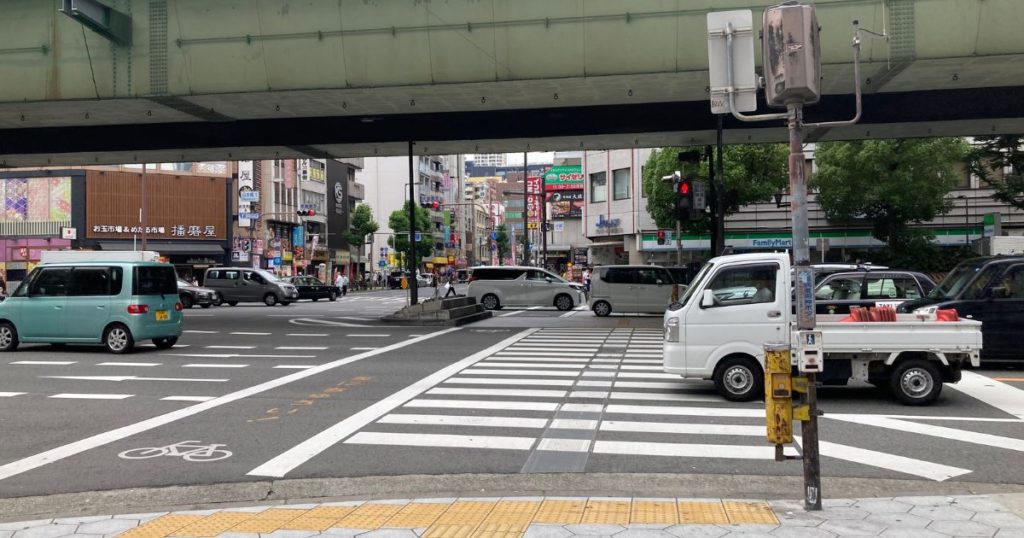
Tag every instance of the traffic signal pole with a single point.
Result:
(411, 258)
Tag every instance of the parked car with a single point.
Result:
(395, 279)
(312, 288)
(114, 303)
(989, 289)
(190, 295)
(836, 293)
(238, 284)
(822, 270)
(497, 287)
(630, 289)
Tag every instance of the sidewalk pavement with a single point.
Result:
(998, 516)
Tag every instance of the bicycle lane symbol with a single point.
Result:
(192, 451)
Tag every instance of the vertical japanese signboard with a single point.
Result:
(245, 184)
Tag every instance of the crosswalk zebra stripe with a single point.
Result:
(462, 420)
(541, 373)
(692, 429)
(685, 411)
(482, 404)
(685, 450)
(523, 393)
(503, 381)
(490, 364)
(442, 440)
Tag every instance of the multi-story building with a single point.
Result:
(489, 159)
(614, 212)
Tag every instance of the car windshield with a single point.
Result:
(956, 280)
(182, 283)
(695, 283)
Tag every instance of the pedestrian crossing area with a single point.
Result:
(573, 391)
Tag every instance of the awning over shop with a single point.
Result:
(606, 244)
(165, 247)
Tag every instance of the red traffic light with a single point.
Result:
(306, 213)
(684, 188)
(661, 234)
(435, 205)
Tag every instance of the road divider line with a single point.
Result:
(285, 462)
(301, 348)
(146, 364)
(10, 394)
(118, 378)
(361, 348)
(368, 335)
(193, 331)
(35, 461)
(44, 363)
(230, 347)
(72, 396)
(294, 366)
(250, 334)
(306, 334)
(212, 365)
(187, 398)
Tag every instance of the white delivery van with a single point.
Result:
(735, 304)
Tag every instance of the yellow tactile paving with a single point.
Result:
(702, 513)
(560, 512)
(507, 517)
(306, 523)
(336, 512)
(416, 516)
(213, 525)
(460, 520)
(161, 526)
(369, 516)
(268, 521)
(499, 530)
(606, 513)
(654, 512)
(753, 513)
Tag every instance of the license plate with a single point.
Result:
(163, 315)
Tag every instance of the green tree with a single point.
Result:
(992, 157)
(891, 183)
(362, 225)
(399, 223)
(502, 242)
(752, 173)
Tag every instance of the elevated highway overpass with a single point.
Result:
(234, 79)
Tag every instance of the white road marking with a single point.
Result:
(361, 348)
(188, 398)
(547, 353)
(634, 375)
(146, 364)
(941, 432)
(573, 424)
(992, 392)
(442, 441)
(230, 347)
(118, 378)
(302, 348)
(571, 366)
(306, 334)
(682, 450)
(71, 396)
(211, 365)
(294, 366)
(461, 420)
(524, 393)
(564, 445)
(892, 462)
(368, 335)
(293, 315)
(193, 331)
(588, 394)
(685, 411)
(303, 321)
(954, 419)
(649, 385)
(35, 461)
(572, 360)
(10, 394)
(483, 404)
(666, 397)
(250, 334)
(583, 408)
(502, 381)
(691, 429)
(569, 313)
(283, 463)
(239, 356)
(44, 363)
(540, 373)
(513, 313)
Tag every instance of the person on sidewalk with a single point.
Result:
(344, 284)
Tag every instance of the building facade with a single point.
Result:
(614, 212)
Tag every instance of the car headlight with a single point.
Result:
(672, 330)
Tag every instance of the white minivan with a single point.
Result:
(496, 287)
(630, 289)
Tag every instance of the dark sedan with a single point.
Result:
(839, 291)
(312, 288)
(195, 295)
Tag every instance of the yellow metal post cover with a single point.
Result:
(778, 386)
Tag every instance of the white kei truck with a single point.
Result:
(737, 303)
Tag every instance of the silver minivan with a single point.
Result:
(630, 289)
(496, 287)
(243, 285)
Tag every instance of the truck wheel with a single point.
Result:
(916, 382)
(602, 308)
(739, 379)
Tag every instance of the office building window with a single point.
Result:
(598, 187)
(620, 183)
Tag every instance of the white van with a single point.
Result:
(496, 287)
(630, 289)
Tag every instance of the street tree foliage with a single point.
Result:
(399, 223)
(999, 162)
(362, 225)
(752, 173)
(891, 183)
(502, 242)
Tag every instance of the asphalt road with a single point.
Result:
(325, 389)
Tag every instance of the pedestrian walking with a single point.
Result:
(450, 286)
(586, 279)
(344, 285)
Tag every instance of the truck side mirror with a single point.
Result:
(708, 299)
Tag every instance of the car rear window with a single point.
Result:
(155, 280)
(620, 275)
(496, 274)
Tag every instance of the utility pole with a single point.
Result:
(718, 184)
(544, 218)
(411, 263)
(142, 210)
